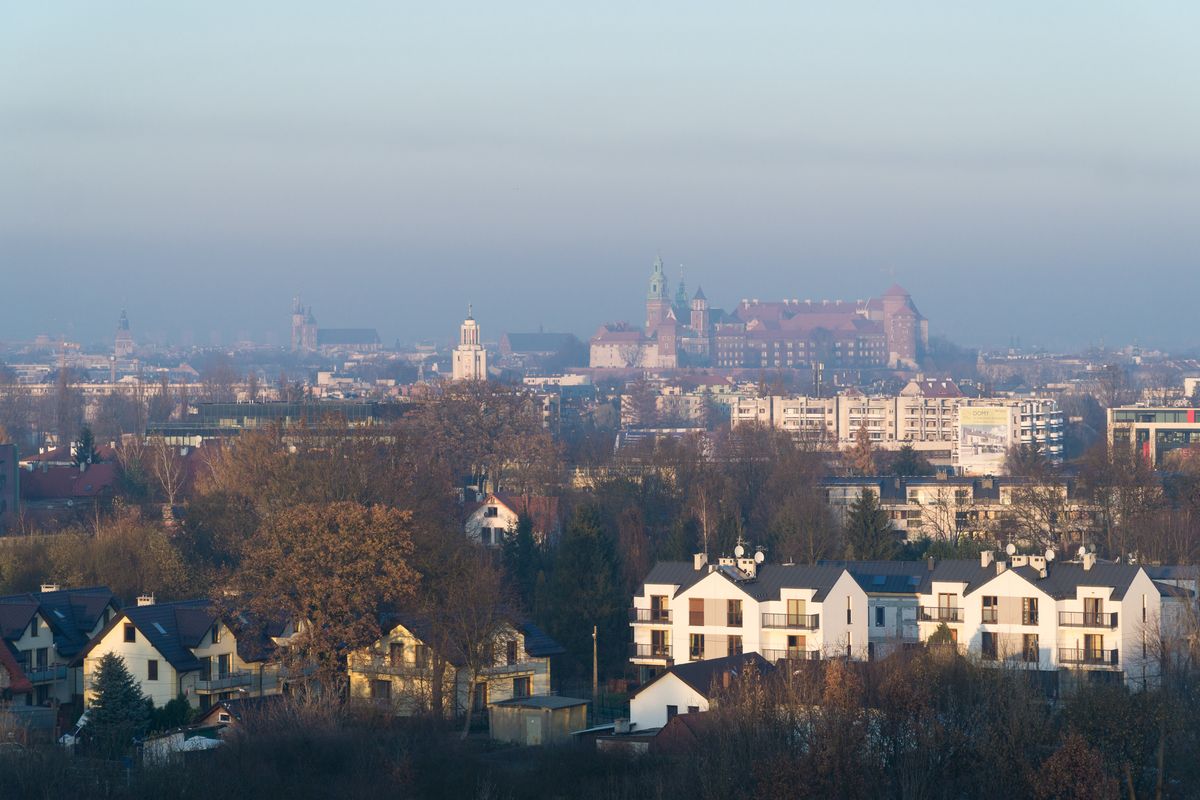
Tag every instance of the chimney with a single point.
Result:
(986, 558)
(930, 564)
(1089, 561)
(1020, 561)
(50, 587)
(145, 600)
(1000, 567)
(699, 560)
(621, 725)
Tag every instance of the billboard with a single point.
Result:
(984, 437)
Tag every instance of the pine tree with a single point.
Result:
(119, 711)
(869, 533)
(523, 559)
(85, 448)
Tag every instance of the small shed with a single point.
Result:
(543, 719)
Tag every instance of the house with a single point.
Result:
(699, 611)
(1082, 620)
(688, 688)
(892, 602)
(538, 720)
(228, 717)
(183, 648)
(44, 631)
(490, 521)
(48, 487)
(399, 670)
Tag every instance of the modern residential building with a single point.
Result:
(700, 610)
(46, 630)
(1154, 432)
(973, 435)
(470, 357)
(1097, 621)
(399, 671)
(188, 648)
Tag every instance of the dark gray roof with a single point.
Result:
(1063, 578)
(15, 613)
(173, 629)
(771, 578)
(885, 577)
(543, 701)
(1168, 572)
(74, 613)
(1170, 590)
(538, 643)
(700, 675)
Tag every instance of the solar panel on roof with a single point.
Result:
(879, 580)
(914, 580)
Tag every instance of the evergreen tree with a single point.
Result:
(85, 448)
(523, 559)
(909, 462)
(119, 711)
(585, 590)
(869, 533)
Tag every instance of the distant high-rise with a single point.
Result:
(470, 357)
(124, 343)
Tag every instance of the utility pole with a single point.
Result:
(595, 672)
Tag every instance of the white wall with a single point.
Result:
(648, 708)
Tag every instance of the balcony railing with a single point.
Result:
(44, 674)
(1087, 619)
(791, 654)
(651, 616)
(384, 665)
(1076, 655)
(941, 614)
(656, 651)
(222, 683)
(808, 622)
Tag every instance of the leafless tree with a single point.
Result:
(167, 467)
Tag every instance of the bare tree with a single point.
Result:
(167, 467)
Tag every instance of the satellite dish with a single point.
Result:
(759, 557)
(1082, 551)
(739, 551)
(1010, 548)
(1049, 553)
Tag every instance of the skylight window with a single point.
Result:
(160, 629)
(879, 580)
(59, 614)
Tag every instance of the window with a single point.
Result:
(879, 617)
(672, 712)
(206, 668)
(510, 652)
(735, 645)
(396, 654)
(223, 665)
(1029, 611)
(658, 643)
(696, 646)
(223, 716)
(216, 632)
(421, 655)
(733, 614)
(987, 646)
(33, 627)
(1029, 647)
(152, 669)
(849, 611)
(491, 511)
(130, 632)
(695, 611)
(522, 687)
(693, 709)
(990, 607)
(659, 611)
(381, 690)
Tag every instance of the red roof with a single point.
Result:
(58, 483)
(18, 682)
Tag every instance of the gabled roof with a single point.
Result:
(770, 581)
(542, 511)
(538, 643)
(15, 613)
(74, 613)
(62, 482)
(173, 629)
(885, 577)
(700, 675)
(1063, 578)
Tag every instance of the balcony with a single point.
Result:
(654, 652)
(1085, 657)
(650, 616)
(804, 622)
(791, 654)
(371, 664)
(940, 614)
(1087, 619)
(226, 682)
(46, 674)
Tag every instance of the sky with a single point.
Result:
(1027, 170)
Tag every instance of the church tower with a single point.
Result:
(658, 302)
(124, 343)
(470, 357)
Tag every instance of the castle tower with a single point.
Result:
(470, 357)
(657, 300)
(699, 316)
(681, 298)
(124, 343)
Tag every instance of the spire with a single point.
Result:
(470, 311)
(658, 282)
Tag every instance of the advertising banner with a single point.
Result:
(984, 437)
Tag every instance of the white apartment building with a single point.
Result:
(696, 611)
(971, 434)
(1099, 621)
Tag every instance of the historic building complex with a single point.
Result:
(885, 332)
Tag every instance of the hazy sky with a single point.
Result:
(1023, 168)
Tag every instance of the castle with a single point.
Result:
(885, 332)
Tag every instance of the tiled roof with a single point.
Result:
(57, 483)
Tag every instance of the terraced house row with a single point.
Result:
(1068, 620)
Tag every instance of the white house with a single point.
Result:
(489, 522)
(697, 611)
(688, 688)
(1097, 620)
(182, 648)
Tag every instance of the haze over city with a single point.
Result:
(1025, 170)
